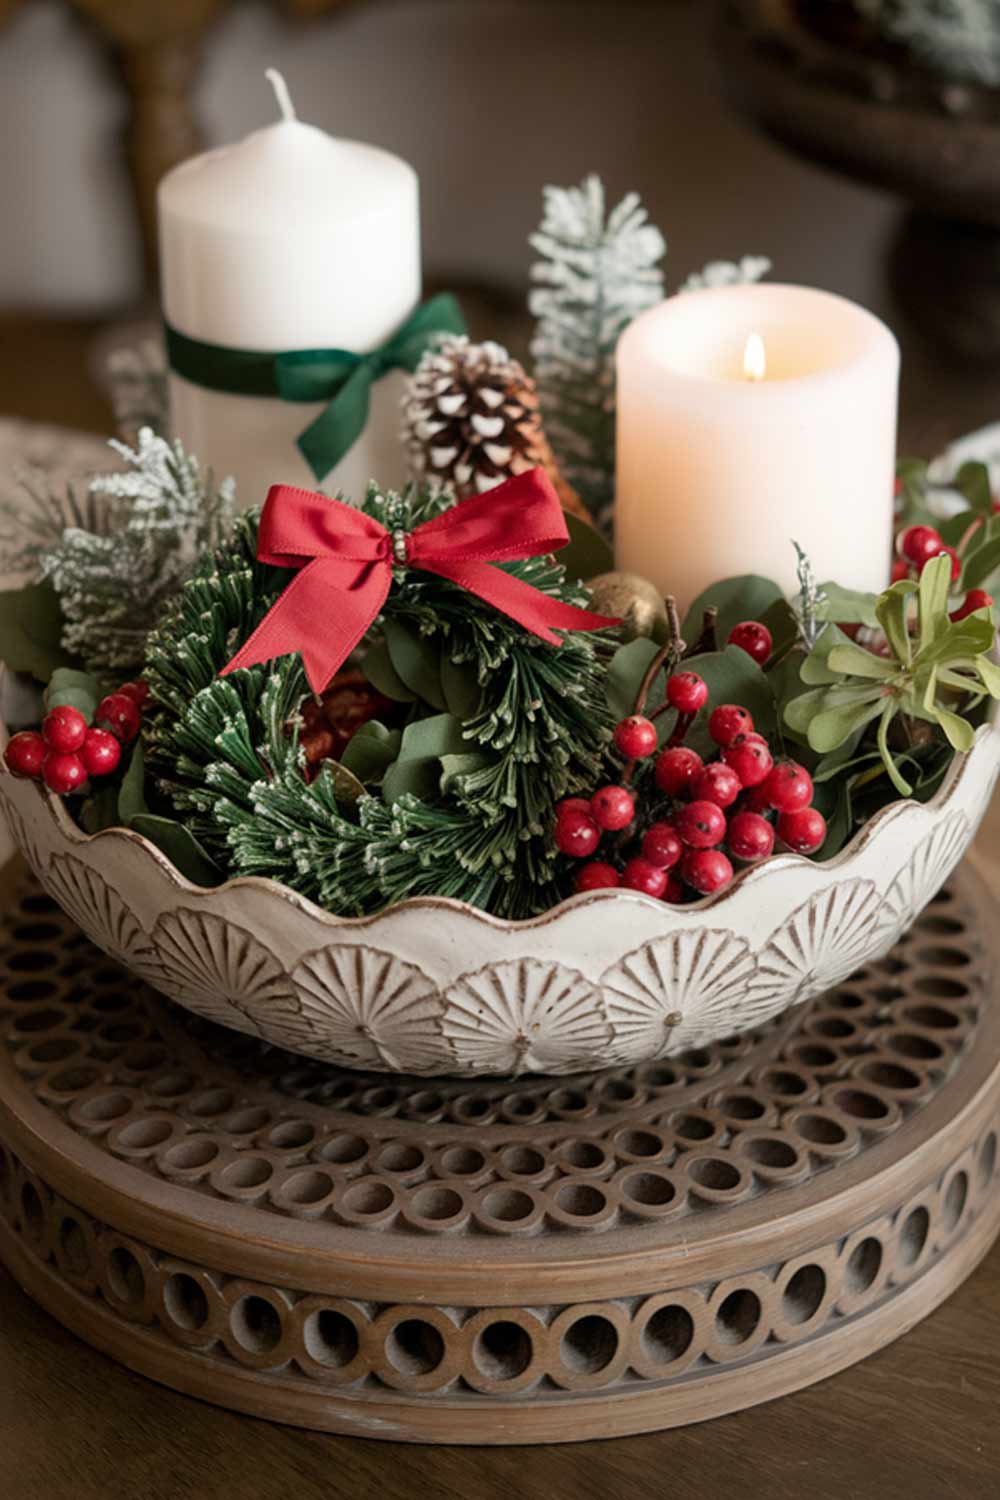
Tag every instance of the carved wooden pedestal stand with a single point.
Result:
(498, 1262)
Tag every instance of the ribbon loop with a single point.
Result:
(345, 560)
(339, 377)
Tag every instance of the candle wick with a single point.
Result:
(281, 93)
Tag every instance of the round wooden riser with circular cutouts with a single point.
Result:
(498, 1262)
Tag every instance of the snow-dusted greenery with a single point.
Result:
(960, 38)
(117, 558)
(597, 272)
(728, 273)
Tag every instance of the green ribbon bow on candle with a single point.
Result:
(337, 376)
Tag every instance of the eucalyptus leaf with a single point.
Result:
(439, 735)
(962, 639)
(981, 564)
(31, 625)
(932, 590)
(625, 673)
(783, 623)
(370, 751)
(131, 794)
(455, 766)
(799, 712)
(417, 660)
(71, 688)
(746, 597)
(587, 553)
(419, 778)
(460, 685)
(378, 668)
(732, 676)
(100, 811)
(180, 846)
(973, 481)
(893, 613)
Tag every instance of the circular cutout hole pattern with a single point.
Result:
(581, 1199)
(415, 1347)
(955, 1200)
(649, 1189)
(436, 1203)
(508, 1205)
(308, 1186)
(913, 1236)
(73, 1245)
(503, 1351)
(330, 1338)
(125, 1276)
(185, 1302)
(668, 1334)
(589, 1345)
(771, 1152)
(32, 1211)
(738, 1317)
(988, 1161)
(804, 1294)
(864, 1265)
(715, 1173)
(256, 1324)
(525, 1161)
(819, 1131)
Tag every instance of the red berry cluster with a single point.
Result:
(704, 815)
(915, 547)
(68, 751)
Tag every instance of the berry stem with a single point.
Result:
(684, 722)
(708, 640)
(672, 650)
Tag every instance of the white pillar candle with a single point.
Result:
(721, 465)
(288, 240)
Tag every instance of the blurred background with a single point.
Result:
(489, 99)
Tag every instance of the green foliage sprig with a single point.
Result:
(456, 801)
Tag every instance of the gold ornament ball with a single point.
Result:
(636, 601)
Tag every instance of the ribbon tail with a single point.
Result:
(520, 601)
(339, 425)
(319, 617)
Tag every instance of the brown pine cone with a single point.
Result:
(471, 420)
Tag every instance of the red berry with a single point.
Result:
(577, 834)
(728, 722)
(974, 599)
(707, 870)
(64, 729)
(687, 692)
(749, 836)
(717, 783)
(119, 714)
(101, 753)
(788, 786)
(137, 691)
(612, 807)
(701, 824)
(753, 638)
(63, 774)
(900, 570)
(661, 846)
(573, 804)
(596, 876)
(676, 769)
(919, 543)
(943, 551)
(674, 891)
(635, 737)
(755, 799)
(640, 875)
(25, 753)
(803, 830)
(750, 758)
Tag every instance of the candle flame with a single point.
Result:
(754, 358)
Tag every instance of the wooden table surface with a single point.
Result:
(917, 1421)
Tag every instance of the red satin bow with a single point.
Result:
(346, 560)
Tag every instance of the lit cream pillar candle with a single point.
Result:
(721, 464)
(288, 240)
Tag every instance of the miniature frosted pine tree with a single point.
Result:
(597, 272)
(960, 38)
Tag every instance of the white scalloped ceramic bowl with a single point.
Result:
(436, 987)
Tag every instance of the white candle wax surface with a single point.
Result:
(718, 473)
(288, 240)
